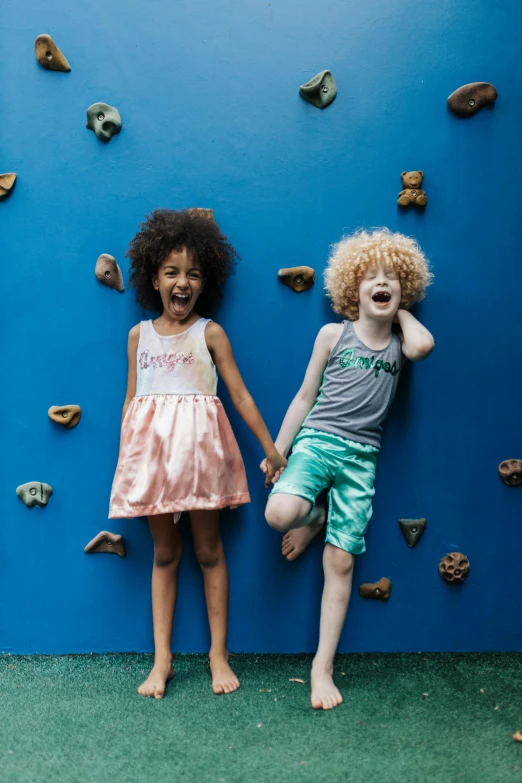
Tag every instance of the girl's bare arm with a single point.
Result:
(221, 351)
(132, 348)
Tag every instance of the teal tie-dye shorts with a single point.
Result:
(321, 461)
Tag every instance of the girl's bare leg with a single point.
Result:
(167, 556)
(338, 570)
(211, 557)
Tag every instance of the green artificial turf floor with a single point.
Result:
(408, 717)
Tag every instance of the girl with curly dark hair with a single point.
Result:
(177, 449)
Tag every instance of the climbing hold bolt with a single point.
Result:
(104, 120)
(106, 542)
(34, 493)
(320, 91)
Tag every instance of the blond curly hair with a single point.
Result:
(353, 255)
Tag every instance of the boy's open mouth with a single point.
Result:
(179, 302)
(381, 296)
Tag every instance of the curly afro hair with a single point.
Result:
(168, 229)
(353, 255)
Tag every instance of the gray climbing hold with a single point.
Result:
(106, 543)
(108, 272)
(104, 120)
(320, 91)
(412, 530)
(34, 493)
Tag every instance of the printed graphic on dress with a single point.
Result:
(166, 360)
(349, 359)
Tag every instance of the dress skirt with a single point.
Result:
(177, 453)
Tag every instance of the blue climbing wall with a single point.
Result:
(208, 93)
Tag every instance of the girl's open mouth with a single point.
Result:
(179, 302)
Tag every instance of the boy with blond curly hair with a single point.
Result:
(334, 423)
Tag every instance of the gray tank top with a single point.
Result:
(357, 389)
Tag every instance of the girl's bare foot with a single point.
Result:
(325, 696)
(223, 678)
(295, 541)
(155, 684)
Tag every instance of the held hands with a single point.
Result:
(273, 466)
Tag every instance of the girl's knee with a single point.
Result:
(167, 556)
(209, 556)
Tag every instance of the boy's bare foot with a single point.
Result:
(155, 684)
(325, 696)
(223, 678)
(295, 541)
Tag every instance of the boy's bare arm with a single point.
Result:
(305, 398)
(417, 341)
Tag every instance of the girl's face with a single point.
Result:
(379, 293)
(179, 281)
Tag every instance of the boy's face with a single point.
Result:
(179, 281)
(379, 293)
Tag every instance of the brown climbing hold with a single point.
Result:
(201, 212)
(66, 415)
(412, 193)
(48, 54)
(471, 98)
(454, 568)
(106, 542)
(6, 183)
(108, 272)
(298, 278)
(380, 590)
(510, 471)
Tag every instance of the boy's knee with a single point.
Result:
(340, 561)
(277, 515)
(208, 557)
(167, 556)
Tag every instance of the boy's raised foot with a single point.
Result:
(223, 678)
(325, 695)
(155, 684)
(295, 541)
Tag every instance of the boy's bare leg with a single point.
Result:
(338, 570)
(297, 518)
(211, 557)
(167, 556)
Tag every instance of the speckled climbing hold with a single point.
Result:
(201, 212)
(34, 493)
(66, 415)
(48, 54)
(510, 471)
(108, 272)
(104, 120)
(454, 568)
(298, 278)
(380, 590)
(6, 183)
(412, 193)
(106, 542)
(320, 91)
(471, 98)
(412, 530)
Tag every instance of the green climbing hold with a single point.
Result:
(412, 530)
(104, 120)
(320, 91)
(34, 493)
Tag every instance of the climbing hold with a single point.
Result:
(454, 568)
(34, 493)
(104, 120)
(320, 91)
(66, 415)
(201, 212)
(298, 278)
(6, 183)
(108, 272)
(412, 530)
(106, 542)
(380, 590)
(510, 471)
(471, 98)
(48, 54)
(412, 194)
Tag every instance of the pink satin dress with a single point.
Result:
(177, 449)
